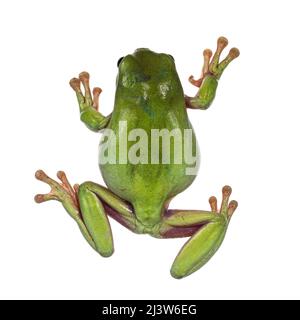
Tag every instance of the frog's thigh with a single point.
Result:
(208, 231)
(94, 214)
(95, 220)
(198, 249)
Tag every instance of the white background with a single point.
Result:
(249, 139)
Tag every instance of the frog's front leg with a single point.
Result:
(207, 229)
(88, 104)
(88, 204)
(211, 73)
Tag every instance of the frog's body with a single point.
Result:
(149, 97)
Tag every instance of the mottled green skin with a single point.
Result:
(149, 96)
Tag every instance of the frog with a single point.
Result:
(149, 95)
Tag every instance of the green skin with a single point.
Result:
(149, 96)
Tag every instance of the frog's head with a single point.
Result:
(148, 73)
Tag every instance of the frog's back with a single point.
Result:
(148, 185)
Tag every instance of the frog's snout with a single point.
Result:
(141, 49)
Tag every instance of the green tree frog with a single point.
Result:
(148, 96)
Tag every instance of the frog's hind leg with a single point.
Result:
(206, 228)
(96, 202)
(89, 204)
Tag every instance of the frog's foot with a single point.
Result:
(89, 102)
(207, 229)
(67, 195)
(211, 72)
(89, 204)
(88, 99)
(59, 191)
(213, 66)
(226, 209)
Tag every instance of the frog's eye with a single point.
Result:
(119, 61)
(172, 57)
